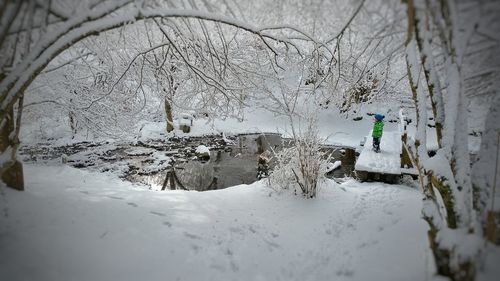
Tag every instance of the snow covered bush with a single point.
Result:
(303, 165)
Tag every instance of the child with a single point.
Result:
(378, 127)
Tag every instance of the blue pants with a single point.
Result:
(376, 143)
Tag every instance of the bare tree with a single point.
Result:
(51, 27)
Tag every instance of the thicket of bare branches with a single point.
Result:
(302, 166)
(35, 32)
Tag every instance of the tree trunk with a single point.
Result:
(446, 207)
(168, 113)
(11, 170)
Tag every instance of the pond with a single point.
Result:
(235, 164)
(175, 164)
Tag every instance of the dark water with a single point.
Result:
(234, 167)
(225, 168)
(348, 158)
(232, 161)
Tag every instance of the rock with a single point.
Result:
(358, 118)
(333, 166)
(202, 152)
(185, 128)
(186, 122)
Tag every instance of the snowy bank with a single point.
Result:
(72, 224)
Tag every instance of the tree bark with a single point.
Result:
(169, 118)
(440, 188)
(11, 170)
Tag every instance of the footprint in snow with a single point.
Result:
(218, 267)
(157, 213)
(388, 212)
(395, 221)
(345, 272)
(236, 230)
(115, 197)
(234, 267)
(367, 244)
(167, 223)
(132, 204)
(195, 248)
(192, 236)
(271, 245)
(357, 214)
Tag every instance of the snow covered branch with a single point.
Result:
(94, 22)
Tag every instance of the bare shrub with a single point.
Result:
(303, 165)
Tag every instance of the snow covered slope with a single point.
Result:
(71, 224)
(388, 161)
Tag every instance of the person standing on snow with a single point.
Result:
(378, 127)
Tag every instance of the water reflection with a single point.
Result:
(176, 165)
(222, 170)
(230, 168)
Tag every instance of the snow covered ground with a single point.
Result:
(334, 128)
(387, 160)
(72, 224)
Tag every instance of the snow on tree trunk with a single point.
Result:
(454, 236)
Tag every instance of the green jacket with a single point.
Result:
(378, 127)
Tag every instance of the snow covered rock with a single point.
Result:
(203, 152)
(333, 166)
(186, 122)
